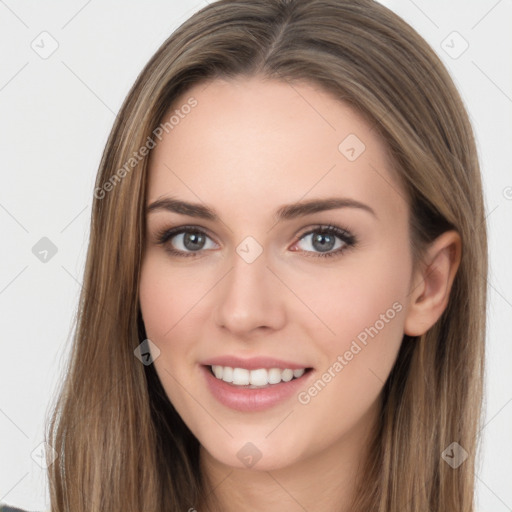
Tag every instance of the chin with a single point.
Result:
(254, 453)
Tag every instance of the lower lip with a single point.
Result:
(249, 400)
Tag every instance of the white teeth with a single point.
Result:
(259, 377)
(240, 376)
(227, 373)
(255, 378)
(287, 375)
(218, 371)
(274, 376)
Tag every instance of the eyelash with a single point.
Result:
(350, 241)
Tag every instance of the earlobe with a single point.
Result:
(430, 290)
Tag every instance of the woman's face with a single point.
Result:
(251, 281)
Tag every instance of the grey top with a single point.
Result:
(6, 508)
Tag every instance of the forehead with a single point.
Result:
(250, 145)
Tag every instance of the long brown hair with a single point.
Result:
(120, 443)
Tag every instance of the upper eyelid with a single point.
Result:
(178, 230)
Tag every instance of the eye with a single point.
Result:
(184, 241)
(323, 239)
(190, 241)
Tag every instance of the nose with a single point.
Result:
(250, 298)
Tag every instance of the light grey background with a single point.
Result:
(55, 115)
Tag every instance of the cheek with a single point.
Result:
(157, 302)
(364, 307)
(172, 306)
(368, 323)
(167, 296)
(352, 297)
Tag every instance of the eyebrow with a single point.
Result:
(286, 212)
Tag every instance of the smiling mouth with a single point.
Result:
(255, 379)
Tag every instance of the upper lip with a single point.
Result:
(253, 363)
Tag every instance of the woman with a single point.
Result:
(283, 303)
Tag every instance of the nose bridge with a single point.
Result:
(249, 297)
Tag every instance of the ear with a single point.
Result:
(431, 285)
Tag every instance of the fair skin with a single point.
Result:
(249, 147)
